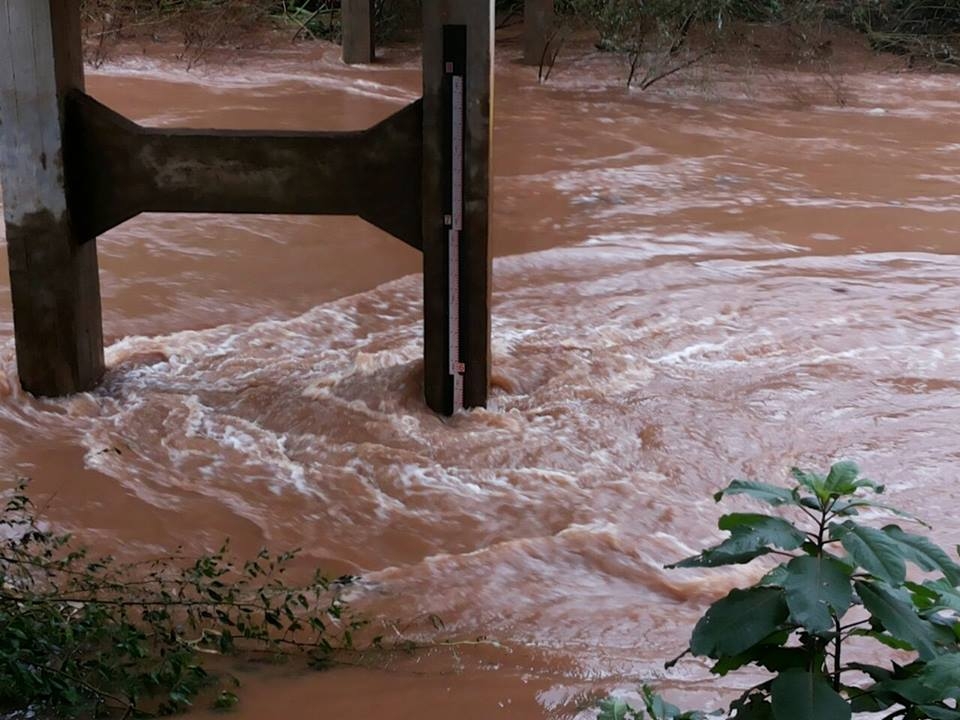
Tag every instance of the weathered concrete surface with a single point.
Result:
(56, 306)
(357, 21)
(53, 277)
(118, 169)
(538, 28)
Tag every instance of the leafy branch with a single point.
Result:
(841, 579)
(92, 636)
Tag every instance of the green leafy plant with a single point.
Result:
(654, 708)
(90, 636)
(841, 581)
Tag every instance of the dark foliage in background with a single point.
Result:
(925, 30)
(922, 29)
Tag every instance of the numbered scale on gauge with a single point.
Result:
(455, 224)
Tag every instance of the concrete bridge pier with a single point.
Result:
(357, 23)
(53, 270)
(538, 29)
(72, 168)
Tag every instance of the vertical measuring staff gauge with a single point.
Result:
(454, 72)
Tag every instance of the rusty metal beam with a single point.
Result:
(117, 169)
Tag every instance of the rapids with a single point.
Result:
(704, 281)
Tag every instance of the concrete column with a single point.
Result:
(356, 19)
(457, 125)
(538, 25)
(53, 276)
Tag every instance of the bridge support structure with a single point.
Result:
(357, 27)
(539, 25)
(72, 168)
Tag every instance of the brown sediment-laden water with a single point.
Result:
(704, 281)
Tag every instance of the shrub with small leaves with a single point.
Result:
(91, 636)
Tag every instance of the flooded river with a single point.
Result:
(700, 282)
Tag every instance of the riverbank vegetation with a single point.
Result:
(87, 636)
(814, 626)
(926, 32)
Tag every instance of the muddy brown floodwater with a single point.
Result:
(708, 280)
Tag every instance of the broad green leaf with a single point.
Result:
(870, 702)
(729, 663)
(845, 508)
(660, 709)
(940, 712)
(617, 709)
(736, 622)
(850, 507)
(726, 553)
(754, 707)
(763, 529)
(776, 577)
(873, 550)
(750, 537)
(770, 494)
(803, 695)
(884, 693)
(813, 482)
(947, 597)
(893, 609)
(908, 689)
(844, 479)
(774, 658)
(817, 588)
(883, 638)
(924, 597)
(875, 672)
(924, 553)
(891, 687)
(943, 675)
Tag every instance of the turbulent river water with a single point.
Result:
(705, 281)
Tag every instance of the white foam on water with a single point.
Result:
(634, 373)
(323, 74)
